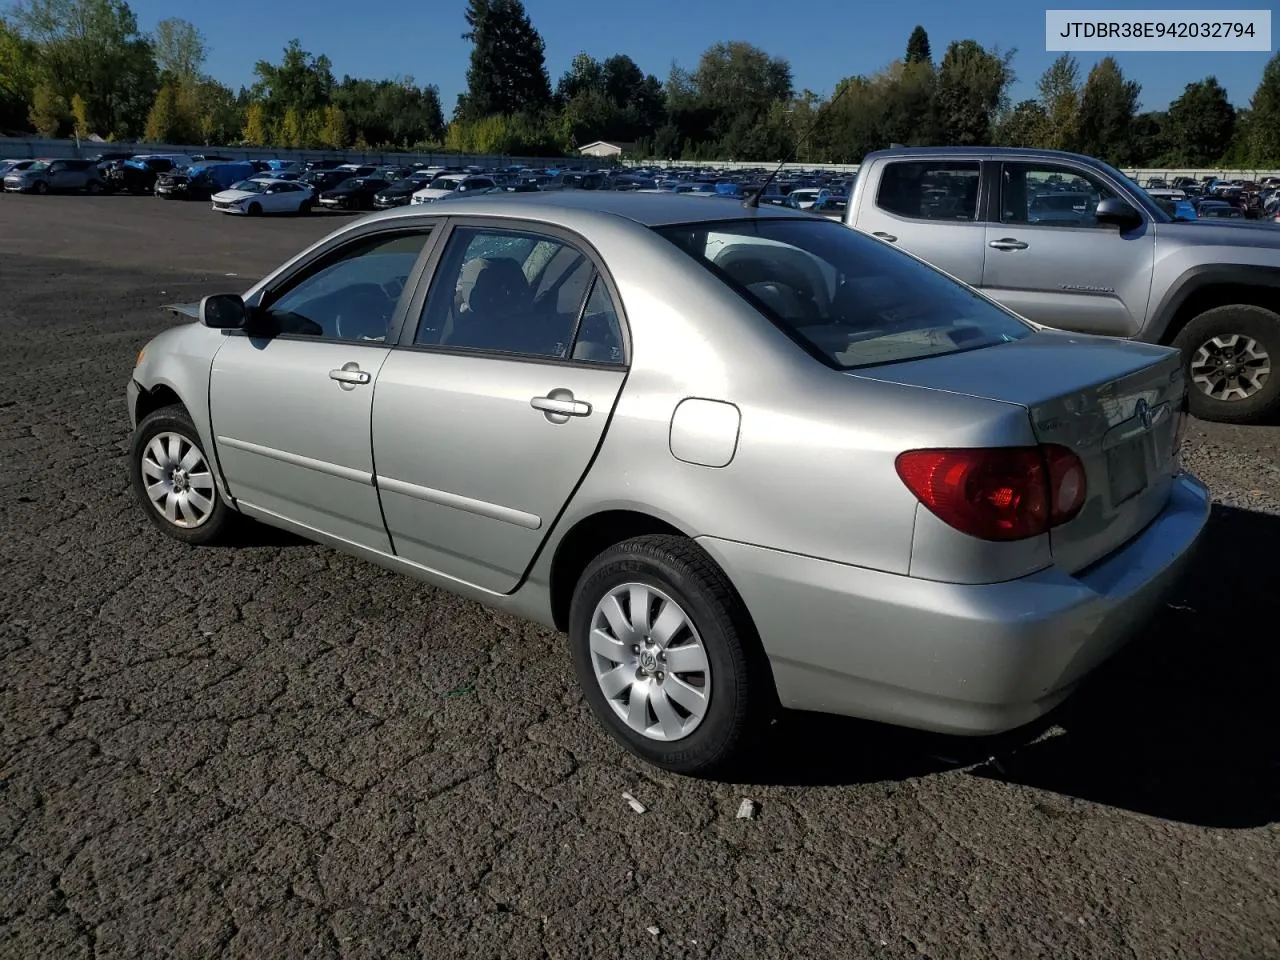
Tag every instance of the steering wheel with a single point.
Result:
(394, 287)
(362, 312)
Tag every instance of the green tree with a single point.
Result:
(972, 86)
(299, 82)
(180, 50)
(48, 111)
(333, 132)
(918, 49)
(1200, 125)
(292, 131)
(1022, 126)
(80, 116)
(18, 76)
(94, 48)
(507, 73)
(256, 132)
(1148, 137)
(164, 121)
(393, 112)
(1059, 89)
(1264, 118)
(1108, 106)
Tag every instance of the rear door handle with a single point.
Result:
(885, 236)
(561, 406)
(344, 375)
(1007, 243)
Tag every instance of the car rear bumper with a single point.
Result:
(954, 658)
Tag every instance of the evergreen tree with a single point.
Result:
(918, 49)
(1264, 118)
(1200, 125)
(508, 72)
(1108, 106)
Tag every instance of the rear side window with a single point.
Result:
(848, 299)
(930, 190)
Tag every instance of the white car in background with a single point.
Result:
(450, 184)
(253, 198)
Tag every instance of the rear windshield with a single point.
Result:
(850, 300)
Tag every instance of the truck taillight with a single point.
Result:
(997, 493)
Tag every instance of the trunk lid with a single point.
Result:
(1115, 403)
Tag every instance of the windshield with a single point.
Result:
(443, 184)
(1139, 194)
(250, 186)
(38, 166)
(850, 300)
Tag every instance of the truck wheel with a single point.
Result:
(1228, 354)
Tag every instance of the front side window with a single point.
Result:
(850, 300)
(352, 293)
(930, 190)
(503, 291)
(1050, 196)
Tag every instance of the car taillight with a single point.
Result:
(997, 493)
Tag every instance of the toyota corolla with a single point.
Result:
(744, 458)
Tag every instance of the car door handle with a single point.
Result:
(349, 376)
(1007, 243)
(565, 407)
(885, 236)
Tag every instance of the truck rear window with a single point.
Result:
(848, 299)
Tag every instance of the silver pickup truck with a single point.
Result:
(1070, 242)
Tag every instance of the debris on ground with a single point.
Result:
(653, 930)
(747, 810)
(632, 802)
(462, 690)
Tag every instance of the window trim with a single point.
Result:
(427, 279)
(1055, 166)
(309, 262)
(981, 212)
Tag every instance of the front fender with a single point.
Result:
(180, 360)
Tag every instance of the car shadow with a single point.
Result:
(1180, 725)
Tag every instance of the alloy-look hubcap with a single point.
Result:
(1231, 367)
(177, 480)
(650, 662)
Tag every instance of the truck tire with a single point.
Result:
(1229, 354)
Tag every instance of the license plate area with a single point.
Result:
(1127, 469)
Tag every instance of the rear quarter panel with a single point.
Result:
(813, 470)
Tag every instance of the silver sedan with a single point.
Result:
(745, 459)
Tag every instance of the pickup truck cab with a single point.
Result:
(1069, 242)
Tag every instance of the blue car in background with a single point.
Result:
(200, 181)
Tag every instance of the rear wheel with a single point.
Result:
(667, 656)
(1229, 354)
(173, 480)
(304, 208)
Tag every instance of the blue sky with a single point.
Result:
(823, 39)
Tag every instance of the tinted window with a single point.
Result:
(599, 337)
(506, 292)
(929, 190)
(1050, 196)
(351, 294)
(850, 299)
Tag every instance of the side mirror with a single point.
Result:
(224, 311)
(1115, 211)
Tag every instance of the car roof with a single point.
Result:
(1025, 153)
(571, 207)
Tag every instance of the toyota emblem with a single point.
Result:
(1143, 413)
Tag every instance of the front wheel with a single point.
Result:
(667, 656)
(255, 210)
(304, 208)
(1228, 353)
(41, 187)
(94, 186)
(173, 480)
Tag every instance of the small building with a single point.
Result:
(602, 148)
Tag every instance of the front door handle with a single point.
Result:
(885, 236)
(1007, 243)
(349, 375)
(560, 408)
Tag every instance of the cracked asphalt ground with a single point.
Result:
(274, 751)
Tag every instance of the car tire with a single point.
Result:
(305, 208)
(736, 689)
(1243, 333)
(164, 439)
(93, 187)
(255, 210)
(41, 187)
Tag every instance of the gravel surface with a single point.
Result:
(274, 751)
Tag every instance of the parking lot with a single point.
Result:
(276, 751)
